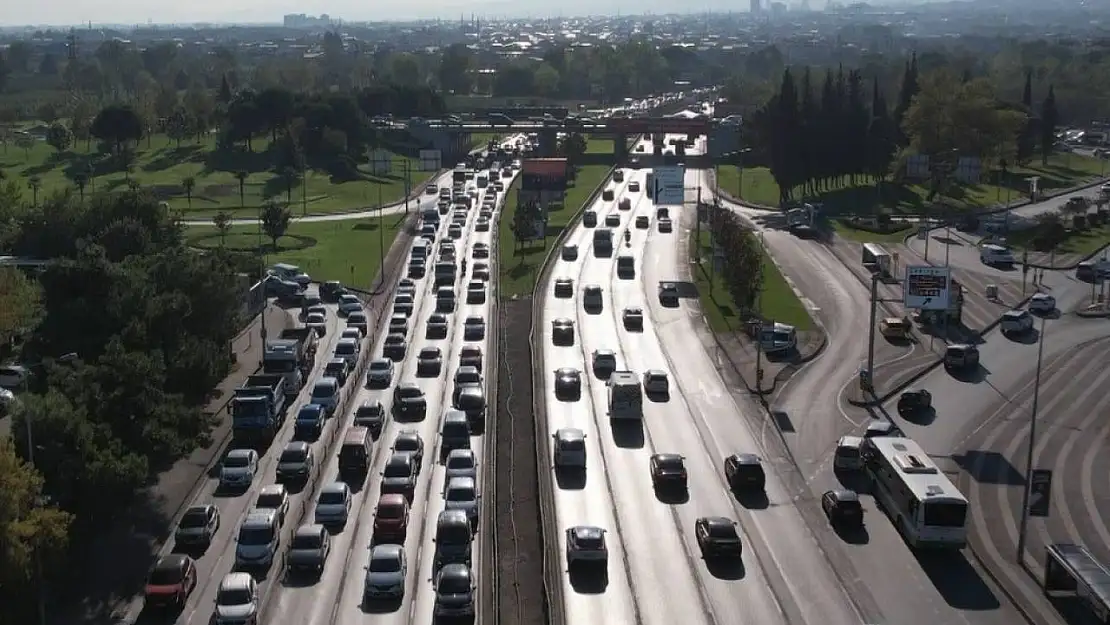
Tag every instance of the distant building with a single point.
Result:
(300, 20)
(755, 6)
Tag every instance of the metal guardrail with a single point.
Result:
(553, 587)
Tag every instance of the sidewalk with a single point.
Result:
(118, 561)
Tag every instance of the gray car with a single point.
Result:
(296, 462)
(399, 475)
(437, 326)
(380, 373)
(454, 591)
(333, 505)
(429, 362)
(461, 493)
(386, 571)
(309, 549)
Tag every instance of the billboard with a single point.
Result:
(542, 181)
(927, 287)
(668, 185)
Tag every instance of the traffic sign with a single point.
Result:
(430, 160)
(668, 185)
(381, 162)
(927, 287)
(1040, 491)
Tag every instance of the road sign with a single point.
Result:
(381, 162)
(927, 287)
(1040, 491)
(668, 185)
(430, 160)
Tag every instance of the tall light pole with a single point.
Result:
(1027, 492)
(262, 277)
(28, 424)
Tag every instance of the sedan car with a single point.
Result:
(406, 285)
(613, 220)
(418, 268)
(429, 362)
(668, 293)
(338, 368)
(585, 545)
(318, 322)
(633, 318)
(568, 383)
(642, 222)
(403, 303)
(668, 471)
(197, 526)
(399, 475)
(479, 251)
(717, 537)
(634, 186)
(471, 356)
(309, 549)
(570, 252)
(915, 401)
(480, 271)
(461, 493)
(391, 519)
(476, 292)
(436, 327)
(564, 287)
(1042, 303)
(274, 497)
(333, 505)
(455, 587)
(562, 331)
(395, 347)
(380, 373)
(656, 382)
(171, 581)
(461, 463)
(371, 415)
(474, 328)
(409, 402)
(386, 571)
(589, 219)
(842, 508)
(604, 362)
(482, 225)
(409, 441)
(238, 469)
(665, 225)
(399, 324)
(296, 462)
(745, 472)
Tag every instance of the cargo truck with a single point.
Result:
(292, 355)
(258, 407)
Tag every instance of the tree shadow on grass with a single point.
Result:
(237, 159)
(865, 199)
(170, 157)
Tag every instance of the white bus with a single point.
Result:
(626, 396)
(925, 506)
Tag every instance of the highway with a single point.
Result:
(656, 573)
(219, 558)
(337, 597)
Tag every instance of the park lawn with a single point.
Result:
(161, 166)
(846, 231)
(1084, 242)
(1063, 170)
(326, 250)
(518, 266)
(777, 301)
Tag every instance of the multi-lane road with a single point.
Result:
(656, 573)
(337, 595)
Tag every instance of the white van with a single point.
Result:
(995, 255)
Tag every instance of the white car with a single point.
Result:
(237, 599)
(317, 322)
(239, 468)
(461, 463)
(1042, 303)
(1016, 322)
(656, 382)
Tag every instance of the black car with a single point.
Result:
(562, 331)
(843, 508)
(745, 472)
(331, 290)
(916, 401)
(668, 471)
(409, 401)
(717, 537)
(409, 441)
(568, 383)
(371, 416)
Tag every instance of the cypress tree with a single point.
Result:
(1050, 117)
(910, 87)
(1027, 137)
(880, 136)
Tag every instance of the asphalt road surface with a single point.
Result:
(656, 574)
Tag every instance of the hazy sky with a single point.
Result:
(60, 12)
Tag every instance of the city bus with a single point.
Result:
(460, 175)
(924, 505)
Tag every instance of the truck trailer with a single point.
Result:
(258, 408)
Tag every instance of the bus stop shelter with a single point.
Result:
(1073, 574)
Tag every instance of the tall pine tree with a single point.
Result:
(910, 87)
(881, 137)
(1050, 118)
(1027, 138)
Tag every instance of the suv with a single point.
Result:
(961, 356)
(1016, 322)
(745, 472)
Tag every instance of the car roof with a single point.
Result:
(567, 371)
(407, 433)
(850, 441)
(604, 352)
(236, 581)
(461, 453)
(562, 320)
(659, 372)
(381, 361)
(462, 482)
(386, 552)
(339, 361)
(568, 434)
(718, 521)
(431, 349)
(391, 499)
(663, 458)
(587, 531)
(746, 458)
(400, 456)
(335, 487)
(272, 489)
(297, 446)
(843, 494)
(309, 529)
(171, 562)
(460, 571)
(327, 381)
(241, 453)
(205, 508)
(263, 517)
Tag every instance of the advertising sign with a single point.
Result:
(668, 185)
(927, 287)
(430, 160)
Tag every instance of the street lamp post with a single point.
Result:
(1027, 491)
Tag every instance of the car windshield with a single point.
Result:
(345, 349)
(233, 597)
(589, 542)
(379, 366)
(406, 443)
(332, 497)
(384, 564)
(236, 462)
(164, 577)
(670, 464)
(323, 391)
(306, 541)
(269, 500)
(255, 536)
(390, 511)
(460, 462)
(411, 391)
(368, 411)
(194, 518)
(293, 455)
(397, 469)
(722, 531)
(460, 494)
(452, 584)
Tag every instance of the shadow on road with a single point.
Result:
(587, 580)
(627, 433)
(956, 581)
(570, 479)
(989, 467)
(729, 569)
(752, 500)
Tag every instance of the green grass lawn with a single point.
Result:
(519, 266)
(161, 167)
(845, 230)
(1085, 242)
(1063, 170)
(326, 250)
(777, 301)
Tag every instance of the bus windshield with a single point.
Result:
(945, 514)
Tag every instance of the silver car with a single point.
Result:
(238, 468)
(333, 505)
(461, 463)
(461, 493)
(380, 373)
(386, 571)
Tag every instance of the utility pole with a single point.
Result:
(262, 277)
(871, 326)
(759, 318)
(927, 237)
(407, 167)
(304, 189)
(381, 238)
(1032, 444)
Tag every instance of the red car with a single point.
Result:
(391, 521)
(170, 582)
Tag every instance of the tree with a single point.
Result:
(906, 94)
(48, 66)
(25, 143)
(59, 137)
(241, 176)
(117, 125)
(222, 221)
(275, 220)
(524, 222)
(20, 304)
(225, 90)
(1027, 137)
(47, 113)
(289, 176)
(1050, 118)
(34, 183)
(454, 69)
(188, 183)
(81, 180)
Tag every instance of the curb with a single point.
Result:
(1102, 314)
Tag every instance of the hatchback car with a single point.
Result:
(460, 463)
(318, 322)
(613, 220)
(668, 471)
(296, 462)
(454, 586)
(274, 497)
(380, 373)
(479, 251)
(668, 293)
(592, 299)
(656, 382)
(429, 362)
(717, 537)
(409, 401)
(634, 186)
(568, 383)
(399, 475)
(562, 331)
(1016, 322)
(842, 508)
(474, 328)
(238, 469)
(603, 362)
(309, 549)
(370, 415)
(395, 347)
(386, 571)
(745, 472)
(633, 318)
(461, 493)
(471, 356)
(237, 599)
(482, 225)
(333, 505)
(476, 292)
(170, 582)
(589, 219)
(410, 441)
(586, 545)
(564, 287)
(197, 526)
(570, 252)
(642, 222)
(399, 324)
(665, 225)
(1042, 303)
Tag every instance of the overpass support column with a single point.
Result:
(548, 143)
(620, 147)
